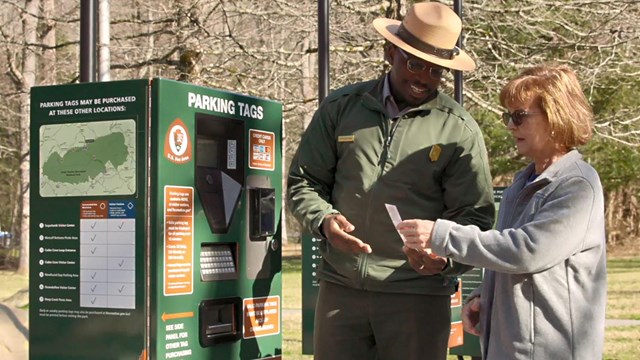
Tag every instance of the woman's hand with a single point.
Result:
(471, 316)
(416, 233)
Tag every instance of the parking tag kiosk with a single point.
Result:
(155, 214)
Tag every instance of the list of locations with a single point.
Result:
(57, 260)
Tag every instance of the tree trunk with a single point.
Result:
(48, 38)
(29, 26)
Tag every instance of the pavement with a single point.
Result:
(14, 330)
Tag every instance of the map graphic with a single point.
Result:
(90, 158)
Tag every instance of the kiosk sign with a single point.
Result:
(155, 215)
(88, 180)
(262, 150)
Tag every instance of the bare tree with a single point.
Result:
(24, 76)
(269, 49)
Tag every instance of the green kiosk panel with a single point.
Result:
(155, 215)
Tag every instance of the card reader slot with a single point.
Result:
(219, 321)
(262, 213)
(213, 330)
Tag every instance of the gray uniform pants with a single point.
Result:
(357, 324)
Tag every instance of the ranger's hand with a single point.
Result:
(336, 228)
(424, 262)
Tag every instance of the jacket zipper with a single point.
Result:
(389, 132)
(394, 126)
(388, 136)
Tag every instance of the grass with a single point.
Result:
(624, 288)
(622, 343)
(623, 296)
(292, 283)
(291, 303)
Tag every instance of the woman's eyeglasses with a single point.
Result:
(417, 66)
(517, 117)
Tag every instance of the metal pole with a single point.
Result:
(323, 49)
(88, 11)
(104, 35)
(457, 75)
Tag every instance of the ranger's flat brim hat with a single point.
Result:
(429, 31)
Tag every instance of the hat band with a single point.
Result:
(408, 37)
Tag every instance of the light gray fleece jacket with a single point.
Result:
(544, 289)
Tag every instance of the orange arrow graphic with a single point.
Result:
(166, 316)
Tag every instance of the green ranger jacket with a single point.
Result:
(431, 163)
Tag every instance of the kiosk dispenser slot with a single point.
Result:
(219, 320)
(220, 177)
(219, 168)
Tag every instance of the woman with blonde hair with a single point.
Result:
(543, 294)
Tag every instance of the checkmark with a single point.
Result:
(93, 251)
(121, 263)
(94, 275)
(93, 288)
(94, 224)
(121, 288)
(94, 237)
(121, 225)
(93, 301)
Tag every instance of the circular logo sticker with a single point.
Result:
(178, 140)
(177, 146)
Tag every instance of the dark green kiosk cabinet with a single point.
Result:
(155, 214)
